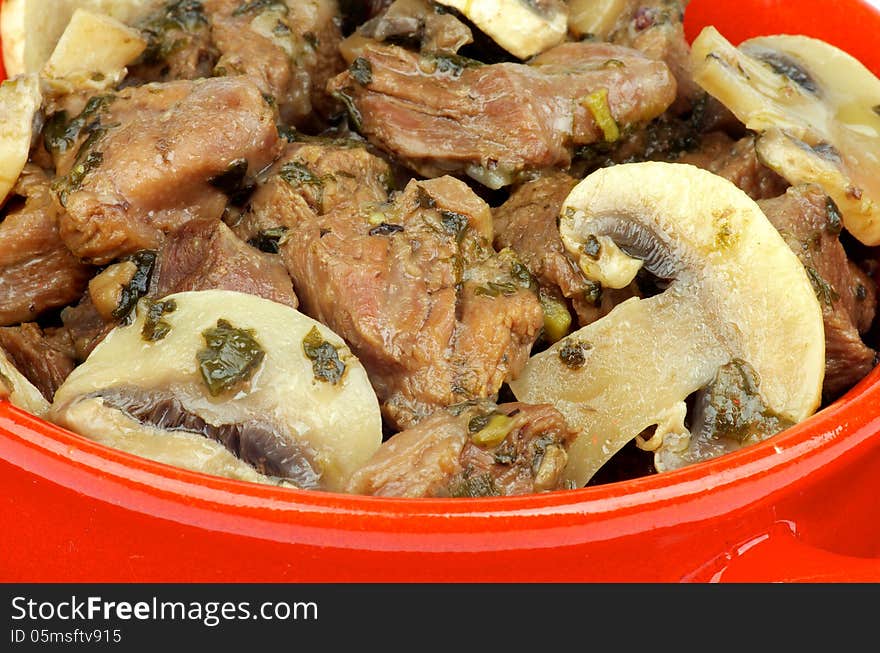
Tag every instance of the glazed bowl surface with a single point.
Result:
(801, 506)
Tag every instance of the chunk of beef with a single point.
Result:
(308, 179)
(203, 256)
(527, 223)
(179, 44)
(440, 115)
(738, 162)
(810, 223)
(656, 27)
(37, 272)
(289, 48)
(471, 451)
(155, 157)
(411, 283)
(44, 358)
(199, 256)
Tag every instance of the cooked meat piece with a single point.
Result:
(199, 256)
(416, 23)
(45, 358)
(656, 27)
(205, 255)
(311, 178)
(435, 316)
(158, 156)
(37, 272)
(289, 48)
(810, 222)
(738, 162)
(527, 223)
(179, 44)
(471, 451)
(441, 115)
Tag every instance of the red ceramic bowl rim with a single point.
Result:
(855, 413)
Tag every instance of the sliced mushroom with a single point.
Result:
(522, 27)
(596, 18)
(277, 389)
(816, 108)
(20, 100)
(30, 29)
(92, 53)
(15, 387)
(734, 291)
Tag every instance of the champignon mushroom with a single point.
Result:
(522, 27)
(20, 100)
(816, 108)
(734, 291)
(21, 392)
(92, 53)
(277, 389)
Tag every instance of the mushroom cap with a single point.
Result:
(522, 27)
(815, 109)
(335, 421)
(20, 100)
(735, 292)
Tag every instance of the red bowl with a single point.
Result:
(799, 507)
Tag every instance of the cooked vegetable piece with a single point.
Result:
(229, 370)
(813, 106)
(20, 100)
(733, 290)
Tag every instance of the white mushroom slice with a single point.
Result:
(278, 389)
(816, 108)
(20, 100)
(15, 387)
(522, 27)
(596, 18)
(735, 292)
(92, 53)
(30, 29)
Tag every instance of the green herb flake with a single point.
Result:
(454, 223)
(469, 486)
(326, 365)
(231, 357)
(573, 354)
(593, 292)
(270, 240)
(130, 293)
(834, 223)
(825, 292)
(233, 181)
(489, 431)
(155, 328)
(592, 247)
(362, 71)
(597, 104)
(258, 6)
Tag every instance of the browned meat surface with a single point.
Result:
(471, 451)
(656, 27)
(199, 256)
(155, 157)
(289, 48)
(494, 122)
(738, 162)
(810, 223)
(411, 282)
(179, 44)
(206, 255)
(527, 223)
(37, 272)
(44, 358)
